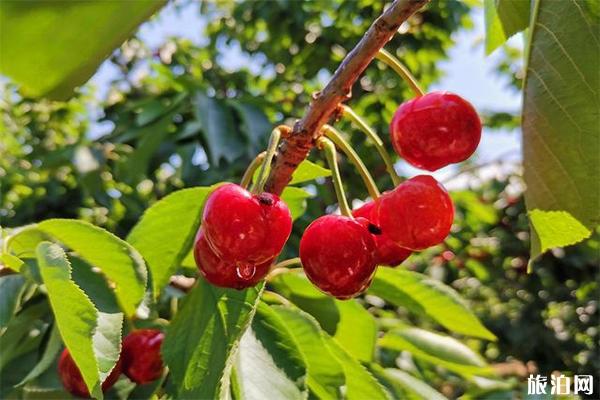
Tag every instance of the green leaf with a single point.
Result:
(514, 15)
(24, 240)
(347, 321)
(165, 233)
(560, 124)
(554, 229)
(325, 373)
(424, 295)
(437, 349)
(407, 386)
(118, 260)
(201, 338)
(220, 133)
(11, 287)
(269, 364)
(51, 350)
(295, 198)
(356, 330)
(23, 332)
(503, 18)
(256, 125)
(360, 384)
(12, 262)
(135, 167)
(52, 47)
(74, 313)
(307, 171)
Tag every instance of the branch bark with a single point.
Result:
(295, 148)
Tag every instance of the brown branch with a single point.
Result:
(296, 147)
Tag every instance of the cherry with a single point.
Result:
(338, 255)
(435, 130)
(73, 381)
(240, 226)
(235, 275)
(387, 253)
(417, 214)
(142, 362)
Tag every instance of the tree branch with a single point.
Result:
(295, 148)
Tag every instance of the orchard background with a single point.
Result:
(102, 185)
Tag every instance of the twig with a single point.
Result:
(296, 147)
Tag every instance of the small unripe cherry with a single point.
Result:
(142, 362)
(234, 275)
(434, 130)
(417, 214)
(241, 226)
(338, 255)
(388, 253)
(73, 381)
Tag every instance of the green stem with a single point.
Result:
(401, 70)
(330, 153)
(287, 263)
(271, 150)
(371, 134)
(249, 173)
(340, 142)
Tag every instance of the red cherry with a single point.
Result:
(227, 274)
(338, 255)
(240, 226)
(435, 130)
(73, 381)
(142, 362)
(417, 214)
(387, 253)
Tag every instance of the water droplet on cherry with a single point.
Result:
(245, 271)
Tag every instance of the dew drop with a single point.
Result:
(245, 271)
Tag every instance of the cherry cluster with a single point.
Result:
(140, 361)
(243, 233)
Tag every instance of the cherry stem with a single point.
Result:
(330, 153)
(270, 153)
(371, 134)
(287, 263)
(249, 173)
(391, 61)
(283, 267)
(340, 142)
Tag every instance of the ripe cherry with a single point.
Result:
(235, 275)
(142, 362)
(435, 130)
(73, 381)
(417, 214)
(240, 226)
(338, 255)
(388, 252)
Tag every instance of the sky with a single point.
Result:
(468, 72)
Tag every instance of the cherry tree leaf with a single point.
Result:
(424, 295)
(202, 336)
(165, 233)
(560, 123)
(50, 47)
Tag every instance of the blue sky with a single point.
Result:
(468, 72)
